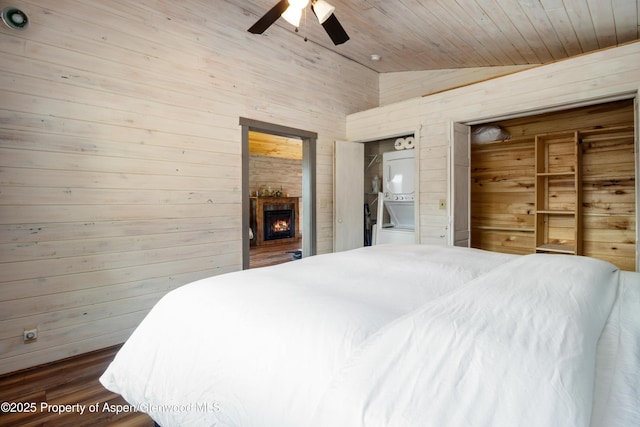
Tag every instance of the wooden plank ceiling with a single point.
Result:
(264, 144)
(413, 35)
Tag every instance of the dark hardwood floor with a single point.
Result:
(33, 394)
(262, 256)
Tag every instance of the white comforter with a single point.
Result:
(381, 336)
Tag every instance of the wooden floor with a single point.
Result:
(73, 381)
(262, 256)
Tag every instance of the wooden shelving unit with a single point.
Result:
(503, 186)
(558, 193)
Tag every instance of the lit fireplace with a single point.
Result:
(279, 224)
(274, 220)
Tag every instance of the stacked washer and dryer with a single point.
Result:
(395, 222)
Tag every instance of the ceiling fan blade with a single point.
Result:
(269, 18)
(334, 29)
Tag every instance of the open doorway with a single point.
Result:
(278, 193)
(275, 194)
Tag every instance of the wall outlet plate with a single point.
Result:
(30, 334)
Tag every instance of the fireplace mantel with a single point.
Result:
(257, 218)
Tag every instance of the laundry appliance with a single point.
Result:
(395, 222)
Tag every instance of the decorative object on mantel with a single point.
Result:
(268, 192)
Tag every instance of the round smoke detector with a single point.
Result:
(15, 18)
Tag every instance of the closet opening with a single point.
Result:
(577, 194)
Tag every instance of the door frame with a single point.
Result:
(309, 238)
(417, 135)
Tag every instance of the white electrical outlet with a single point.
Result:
(30, 334)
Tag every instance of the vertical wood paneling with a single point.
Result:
(120, 159)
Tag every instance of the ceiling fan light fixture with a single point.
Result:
(291, 11)
(293, 15)
(323, 10)
(298, 4)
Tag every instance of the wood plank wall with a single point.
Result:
(586, 79)
(502, 182)
(120, 156)
(396, 87)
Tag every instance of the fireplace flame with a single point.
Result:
(280, 225)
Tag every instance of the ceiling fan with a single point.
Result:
(291, 11)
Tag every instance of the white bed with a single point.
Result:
(392, 335)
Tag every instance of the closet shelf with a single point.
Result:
(556, 212)
(558, 155)
(551, 174)
(556, 248)
(510, 229)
